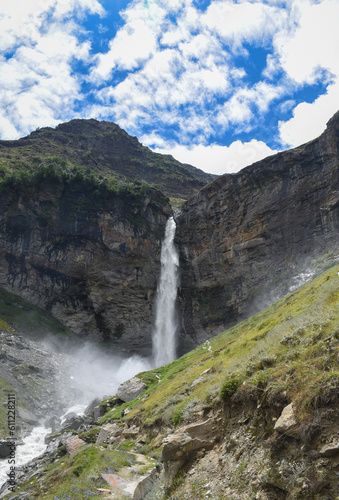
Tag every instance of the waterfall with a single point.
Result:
(164, 333)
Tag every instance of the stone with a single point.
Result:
(107, 432)
(145, 485)
(329, 450)
(73, 422)
(129, 390)
(287, 423)
(5, 448)
(73, 443)
(53, 423)
(179, 447)
(28, 417)
(93, 404)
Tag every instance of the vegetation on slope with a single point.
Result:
(290, 351)
(104, 149)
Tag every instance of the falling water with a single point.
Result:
(164, 334)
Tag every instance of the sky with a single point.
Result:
(218, 84)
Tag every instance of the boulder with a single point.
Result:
(107, 433)
(287, 423)
(178, 447)
(329, 450)
(73, 443)
(145, 485)
(131, 389)
(5, 449)
(72, 423)
(28, 417)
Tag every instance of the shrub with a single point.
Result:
(229, 388)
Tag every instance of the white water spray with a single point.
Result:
(164, 334)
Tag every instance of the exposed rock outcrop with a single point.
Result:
(131, 389)
(89, 257)
(244, 236)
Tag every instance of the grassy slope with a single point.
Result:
(291, 347)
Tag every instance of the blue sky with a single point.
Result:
(217, 83)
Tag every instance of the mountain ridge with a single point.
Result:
(106, 150)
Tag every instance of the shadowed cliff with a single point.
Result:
(243, 237)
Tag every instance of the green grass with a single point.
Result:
(78, 476)
(291, 348)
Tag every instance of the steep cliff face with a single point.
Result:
(88, 255)
(244, 236)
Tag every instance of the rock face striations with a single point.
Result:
(244, 236)
(87, 254)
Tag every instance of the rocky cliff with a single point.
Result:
(86, 252)
(243, 237)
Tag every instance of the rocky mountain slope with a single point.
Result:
(86, 250)
(105, 149)
(251, 414)
(243, 237)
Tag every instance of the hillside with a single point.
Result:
(220, 418)
(105, 149)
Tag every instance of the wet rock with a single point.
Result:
(28, 417)
(73, 422)
(53, 423)
(5, 448)
(130, 389)
(287, 423)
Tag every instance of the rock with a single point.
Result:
(178, 447)
(98, 412)
(129, 390)
(53, 423)
(252, 230)
(28, 417)
(73, 443)
(287, 424)
(93, 404)
(329, 450)
(73, 422)
(132, 432)
(145, 485)
(5, 448)
(107, 432)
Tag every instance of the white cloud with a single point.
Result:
(309, 119)
(304, 56)
(37, 87)
(215, 159)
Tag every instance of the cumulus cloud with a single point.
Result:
(309, 56)
(217, 159)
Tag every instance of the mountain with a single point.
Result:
(250, 414)
(246, 238)
(87, 248)
(104, 149)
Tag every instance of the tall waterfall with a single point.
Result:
(164, 334)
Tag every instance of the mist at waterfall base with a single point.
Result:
(94, 372)
(90, 371)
